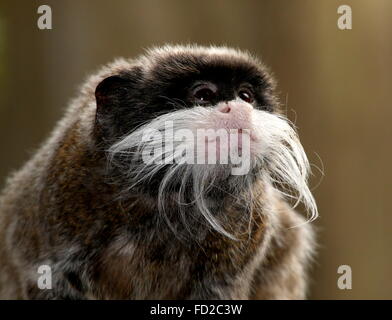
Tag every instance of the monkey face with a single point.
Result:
(151, 113)
(229, 85)
(173, 78)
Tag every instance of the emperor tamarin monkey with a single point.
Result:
(107, 206)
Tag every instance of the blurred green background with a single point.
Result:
(335, 84)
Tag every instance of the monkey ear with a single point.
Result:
(112, 95)
(110, 92)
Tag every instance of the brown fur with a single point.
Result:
(58, 210)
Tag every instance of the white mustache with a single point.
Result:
(277, 148)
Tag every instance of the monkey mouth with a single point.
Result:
(236, 139)
(237, 119)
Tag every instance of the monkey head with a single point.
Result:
(196, 123)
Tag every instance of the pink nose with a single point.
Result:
(235, 114)
(235, 108)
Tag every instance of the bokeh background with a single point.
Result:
(336, 86)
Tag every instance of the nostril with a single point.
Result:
(224, 108)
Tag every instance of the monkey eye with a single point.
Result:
(246, 95)
(205, 92)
